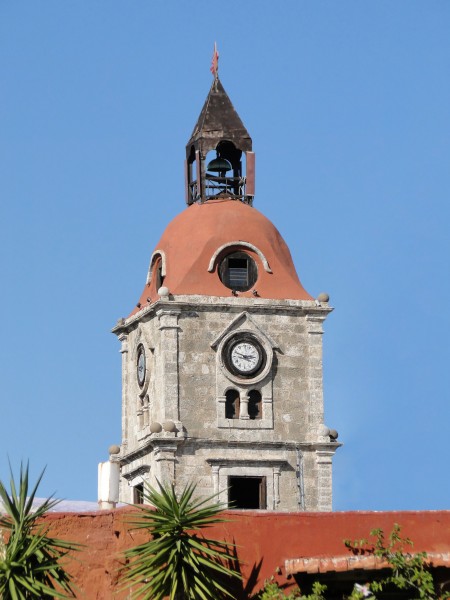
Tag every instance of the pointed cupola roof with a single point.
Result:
(219, 120)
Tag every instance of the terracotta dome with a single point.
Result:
(194, 243)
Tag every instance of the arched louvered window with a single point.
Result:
(238, 271)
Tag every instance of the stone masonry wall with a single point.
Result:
(186, 383)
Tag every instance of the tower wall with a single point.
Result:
(186, 385)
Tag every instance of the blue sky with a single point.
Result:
(348, 107)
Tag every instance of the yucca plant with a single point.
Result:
(30, 560)
(178, 562)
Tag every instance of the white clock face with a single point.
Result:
(141, 367)
(245, 357)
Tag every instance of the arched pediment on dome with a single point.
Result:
(162, 256)
(238, 244)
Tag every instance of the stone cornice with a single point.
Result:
(220, 304)
(139, 471)
(266, 445)
(224, 462)
(149, 445)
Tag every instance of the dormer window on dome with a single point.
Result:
(238, 271)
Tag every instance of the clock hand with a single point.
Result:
(244, 356)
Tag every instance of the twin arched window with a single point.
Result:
(233, 405)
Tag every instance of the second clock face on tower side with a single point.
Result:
(140, 366)
(244, 356)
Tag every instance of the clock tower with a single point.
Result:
(222, 356)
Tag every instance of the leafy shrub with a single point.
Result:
(178, 562)
(30, 560)
(272, 591)
(409, 572)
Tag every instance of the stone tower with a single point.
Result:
(222, 356)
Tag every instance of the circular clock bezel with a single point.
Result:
(246, 339)
(141, 353)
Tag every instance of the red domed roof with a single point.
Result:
(190, 244)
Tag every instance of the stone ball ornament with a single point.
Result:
(163, 292)
(114, 449)
(334, 434)
(323, 297)
(155, 427)
(324, 430)
(169, 426)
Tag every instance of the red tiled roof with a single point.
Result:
(352, 563)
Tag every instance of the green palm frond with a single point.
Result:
(30, 560)
(178, 562)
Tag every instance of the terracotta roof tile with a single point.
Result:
(340, 564)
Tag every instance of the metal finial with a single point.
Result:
(215, 62)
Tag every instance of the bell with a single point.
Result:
(219, 165)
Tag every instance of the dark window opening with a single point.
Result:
(192, 167)
(157, 274)
(223, 175)
(238, 271)
(192, 183)
(254, 404)
(138, 494)
(159, 277)
(232, 404)
(247, 493)
(228, 150)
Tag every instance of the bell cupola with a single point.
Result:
(219, 158)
